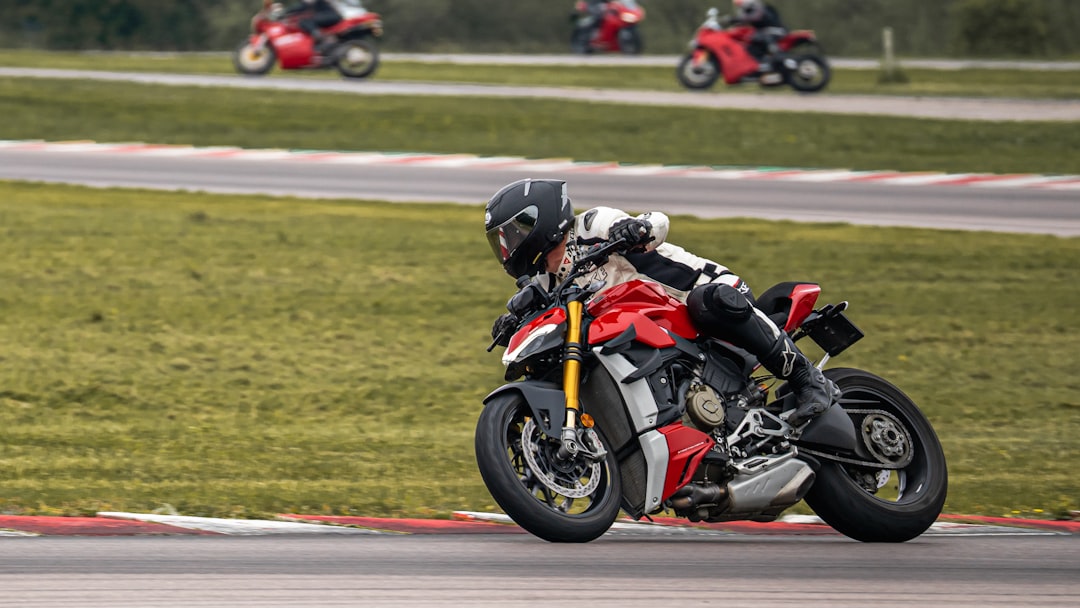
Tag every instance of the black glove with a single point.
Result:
(636, 233)
(504, 328)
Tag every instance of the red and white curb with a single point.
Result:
(569, 166)
(469, 522)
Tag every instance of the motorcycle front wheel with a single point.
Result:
(357, 58)
(701, 76)
(898, 499)
(630, 42)
(254, 61)
(561, 501)
(580, 41)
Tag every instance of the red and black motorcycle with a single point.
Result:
(624, 405)
(616, 32)
(721, 49)
(278, 38)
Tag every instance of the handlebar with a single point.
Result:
(530, 298)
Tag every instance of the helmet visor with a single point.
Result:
(508, 236)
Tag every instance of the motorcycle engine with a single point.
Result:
(705, 407)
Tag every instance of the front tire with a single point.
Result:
(569, 502)
(871, 504)
(630, 42)
(581, 41)
(253, 61)
(698, 77)
(357, 58)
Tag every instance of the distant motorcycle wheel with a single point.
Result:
(570, 500)
(357, 58)
(807, 73)
(898, 500)
(254, 61)
(580, 41)
(701, 76)
(630, 42)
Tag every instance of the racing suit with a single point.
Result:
(768, 29)
(720, 303)
(317, 14)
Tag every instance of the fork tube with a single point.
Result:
(572, 362)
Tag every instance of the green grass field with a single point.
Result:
(116, 112)
(243, 356)
(967, 83)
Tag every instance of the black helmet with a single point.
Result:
(525, 220)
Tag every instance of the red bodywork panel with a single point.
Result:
(645, 306)
(803, 298)
(555, 316)
(614, 323)
(295, 49)
(735, 61)
(686, 448)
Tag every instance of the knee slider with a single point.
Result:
(726, 302)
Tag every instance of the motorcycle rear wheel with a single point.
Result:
(357, 58)
(252, 61)
(871, 504)
(534, 499)
(698, 77)
(809, 75)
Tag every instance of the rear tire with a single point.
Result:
(698, 77)
(358, 58)
(810, 73)
(870, 504)
(503, 433)
(253, 62)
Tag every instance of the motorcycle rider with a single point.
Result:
(595, 10)
(767, 26)
(533, 232)
(315, 15)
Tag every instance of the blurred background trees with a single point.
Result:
(926, 28)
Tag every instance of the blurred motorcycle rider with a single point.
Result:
(533, 232)
(595, 10)
(767, 26)
(315, 15)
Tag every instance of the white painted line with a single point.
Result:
(17, 533)
(237, 527)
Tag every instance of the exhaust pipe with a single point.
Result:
(694, 495)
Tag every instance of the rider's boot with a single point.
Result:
(726, 313)
(814, 393)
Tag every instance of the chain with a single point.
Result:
(860, 463)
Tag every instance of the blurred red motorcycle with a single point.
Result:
(277, 38)
(722, 49)
(616, 31)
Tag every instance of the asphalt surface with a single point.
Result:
(519, 570)
(702, 194)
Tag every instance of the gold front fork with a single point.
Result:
(572, 362)
(576, 441)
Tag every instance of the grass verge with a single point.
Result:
(921, 82)
(243, 356)
(70, 109)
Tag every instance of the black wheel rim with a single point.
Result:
(887, 435)
(571, 488)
